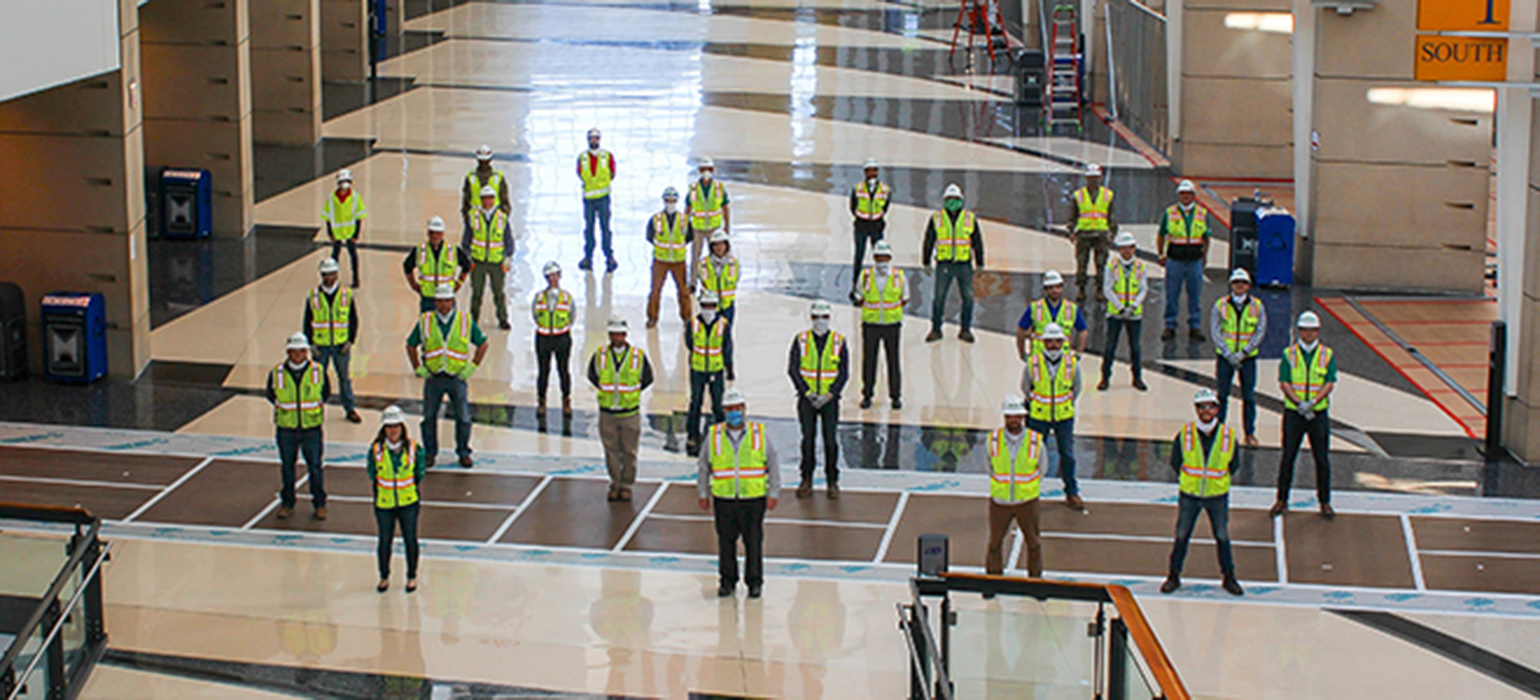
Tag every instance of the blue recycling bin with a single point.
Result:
(74, 337)
(1275, 247)
(186, 209)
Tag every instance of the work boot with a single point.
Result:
(540, 406)
(613, 494)
(1232, 586)
(465, 461)
(897, 404)
(933, 336)
(1196, 336)
(834, 491)
(320, 513)
(1327, 511)
(430, 461)
(624, 496)
(965, 335)
(1104, 384)
(1168, 334)
(1074, 502)
(353, 417)
(610, 265)
(755, 591)
(1173, 582)
(284, 512)
(586, 264)
(866, 402)
(1279, 508)
(1140, 385)
(504, 324)
(1100, 295)
(725, 590)
(805, 489)
(1251, 442)
(652, 323)
(692, 448)
(1080, 294)
(566, 406)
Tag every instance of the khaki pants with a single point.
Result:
(620, 435)
(1000, 517)
(660, 274)
(1086, 243)
(482, 274)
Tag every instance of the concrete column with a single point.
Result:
(344, 40)
(72, 218)
(1518, 219)
(197, 99)
(286, 72)
(1400, 192)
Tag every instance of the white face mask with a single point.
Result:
(1188, 206)
(329, 288)
(670, 207)
(1310, 346)
(1053, 355)
(442, 318)
(295, 365)
(884, 269)
(487, 211)
(820, 326)
(395, 445)
(1208, 426)
(705, 176)
(708, 315)
(1238, 298)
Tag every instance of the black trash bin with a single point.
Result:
(1243, 234)
(1031, 76)
(13, 332)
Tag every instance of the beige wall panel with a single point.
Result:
(133, 176)
(92, 169)
(1371, 44)
(1428, 206)
(286, 127)
(284, 80)
(1228, 110)
(1399, 269)
(192, 82)
(1209, 49)
(193, 22)
(1527, 384)
(282, 24)
(1233, 160)
(1352, 128)
(92, 105)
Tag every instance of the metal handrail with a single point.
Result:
(944, 679)
(78, 516)
(914, 652)
(21, 679)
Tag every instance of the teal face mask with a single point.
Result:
(953, 205)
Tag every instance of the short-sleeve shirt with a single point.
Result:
(1026, 317)
(415, 339)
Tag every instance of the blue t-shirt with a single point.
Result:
(1026, 316)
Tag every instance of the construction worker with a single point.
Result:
(819, 366)
(396, 467)
(1306, 376)
(670, 234)
(1238, 325)
(1015, 481)
(883, 292)
(439, 349)
(1203, 455)
(489, 240)
(1182, 241)
(433, 264)
(482, 176)
(719, 273)
(1095, 223)
(596, 168)
(707, 205)
(1050, 309)
(331, 326)
(1052, 380)
(552, 309)
(620, 372)
(344, 214)
(298, 388)
(954, 239)
(869, 205)
(1125, 282)
(706, 338)
(739, 474)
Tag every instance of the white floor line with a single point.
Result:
(1459, 553)
(431, 504)
(1412, 553)
(776, 521)
(508, 522)
(80, 482)
(1016, 541)
(1163, 539)
(1282, 553)
(168, 489)
(887, 535)
(636, 523)
(259, 516)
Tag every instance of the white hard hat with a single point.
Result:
(1054, 332)
(616, 325)
(484, 153)
(594, 132)
(819, 308)
(882, 248)
(670, 193)
(329, 266)
(1013, 406)
(1204, 396)
(444, 291)
(1125, 239)
(719, 236)
(1240, 275)
(298, 341)
(487, 191)
(706, 163)
(436, 224)
(709, 298)
(1093, 170)
(1308, 319)
(733, 397)
(551, 268)
(392, 416)
(952, 191)
(869, 164)
(344, 175)
(1052, 278)
(1186, 186)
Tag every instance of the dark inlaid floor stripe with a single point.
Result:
(1455, 649)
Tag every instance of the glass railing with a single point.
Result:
(1031, 638)
(50, 604)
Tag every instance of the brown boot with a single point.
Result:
(805, 490)
(1074, 502)
(834, 491)
(284, 512)
(320, 513)
(540, 407)
(624, 496)
(566, 406)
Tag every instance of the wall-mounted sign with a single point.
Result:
(1461, 58)
(1462, 15)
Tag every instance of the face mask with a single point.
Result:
(487, 211)
(670, 207)
(705, 176)
(1188, 206)
(1310, 346)
(1054, 355)
(708, 315)
(395, 445)
(884, 269)
(442, 317)
(329, 288)
(820, 326)
(295, 365)
(735, 418)
(953, 205)
(1238, 298)
(1208, 426)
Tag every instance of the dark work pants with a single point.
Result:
(352, 244)
(731, 314)
(1295, 428)
(740, 519)
(809, 417)
(887, 335)
(1115, 328)
(597, 210)
(946, 274)
(1188, 509)
(558, 347)
(1224, 375)
(292, 441)
(388, 519)
(866, 231)
(700, 383)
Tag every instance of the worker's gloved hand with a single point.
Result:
(422, 371)
(470, 369)
(347, 349)
(506, 266)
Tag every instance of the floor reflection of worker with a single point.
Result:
(948, 447)
(879, 445)
(306, 630)
(450, 598)
(817, 625)
(403, 668)
(621, 616)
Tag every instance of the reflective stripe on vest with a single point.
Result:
(706, 207)
(1041, 317)
(1053, 394)
(432, 273)
(298, 407)
(871, 205)
(595, 171)
(620, 389)
(1176, 225)
(330, 323)
(344, 215)
(882, 306)
(553, 320)
(723, 281)
(743, 471)
(820, 370)
(1308, 380)
(495, 182)
(487, 236)
(706, 344)
(445, 355)
(1206, 476)
(954, 244)
(1019, 480)
(1093, 213)
(668, 244)
(395, 486)
(1126, 283)
(1237, 328)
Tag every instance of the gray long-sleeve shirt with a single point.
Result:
(1115, 306)
(469, 234)
(703, 465)
(1216, 323)
(1026, 378)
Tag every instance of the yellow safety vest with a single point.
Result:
(1126, 284)
(432, 273)
(1053, 394)
(487, 236)
(820, 370)
(871, 205)
(395, 482)
(344, 216)
(620, 388)
(495, 182)
(446, 355)
(883, 307)
(1211, 476)
(1094, 212)
(1041, 317)
(1177, 231)
(1019, 480)
(740, 472)
(706, 206)
(723, 281)
(706, 344)
(668, 243)
(595, 171)
(329, 323)
(553, 320)
(954, 245)
(1237, 328)
(1308, 380)
(298, 406)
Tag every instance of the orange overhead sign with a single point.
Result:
(1462, 15)
(1461, 58)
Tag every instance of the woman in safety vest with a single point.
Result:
(396, 466)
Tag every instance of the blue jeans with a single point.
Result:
(1182, 274)
(1063, 433)
(333, 354)
(597, 209)
(1115, 328)
(1218, 509)
(1224, 374)
(946, 273)
(292, 441)
(700, 383)
(433, 391)
(731, 314)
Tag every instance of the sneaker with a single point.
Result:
(834, 491)
(866, 402)
(586, 265)
(1232, 586)
(965, 335)
(725, 591)
(1327, 511)
(1173, 582)
(1196, 336)
(1074, 502)
(805, 489)
(353, 417)
(1140, 385)
(1279, 508)
(320, 513)
(1168, 334)
(1103, 384)
(754, 591)
(933, 337)
(897, 404)
(284, 512)
(465, 461)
